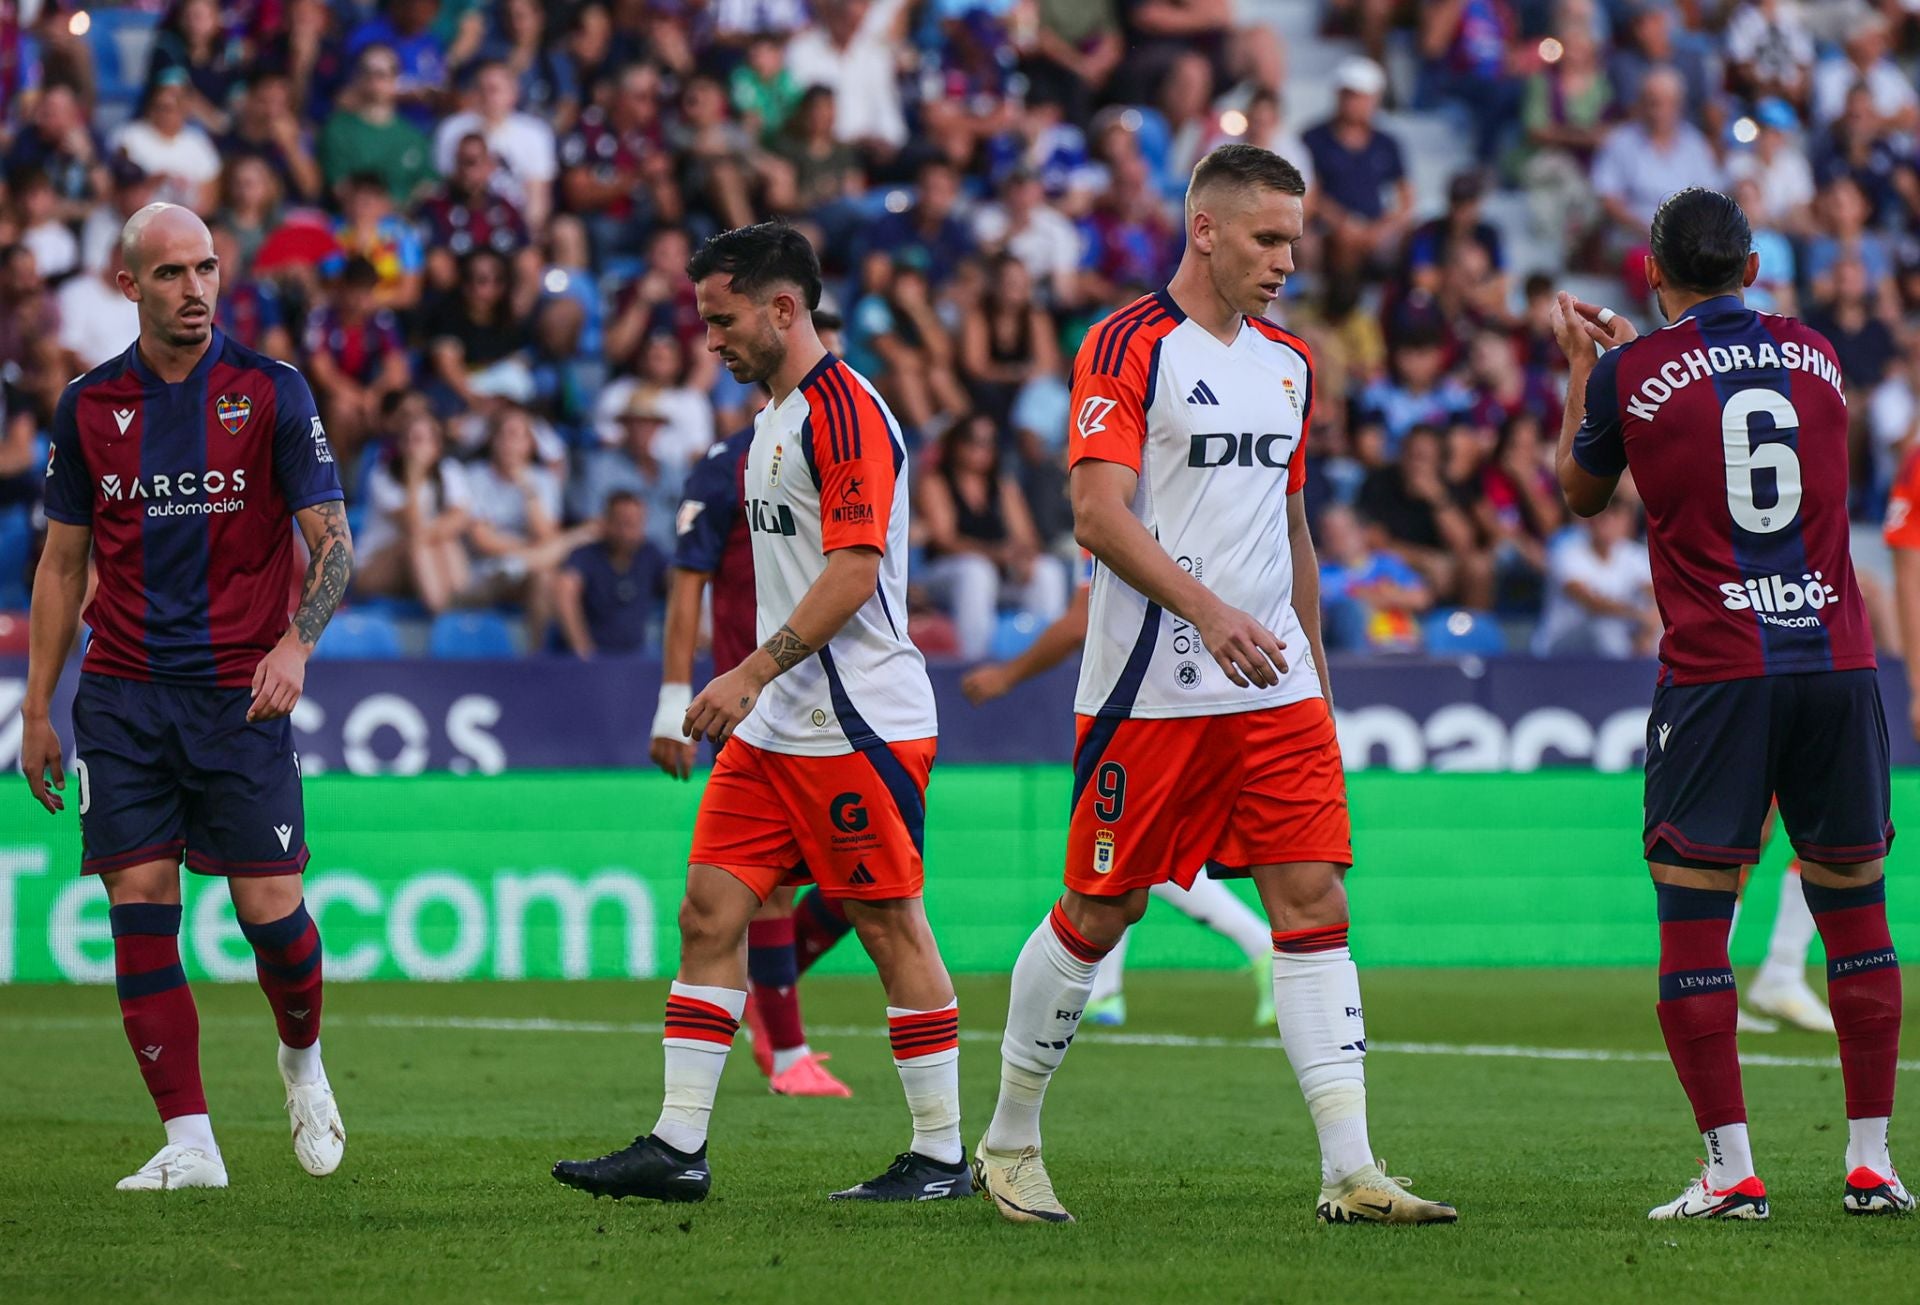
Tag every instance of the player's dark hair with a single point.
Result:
(1247, 166)
(1701, 241)
(758, 258)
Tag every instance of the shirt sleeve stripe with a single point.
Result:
(1104, 355)
(837, 378)
(1152, 318)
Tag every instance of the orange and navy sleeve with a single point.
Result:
(1902, 527)
(1113, 384)
(854, 459)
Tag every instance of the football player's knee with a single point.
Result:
(704, 928)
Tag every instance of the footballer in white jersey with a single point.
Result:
(1204, 726)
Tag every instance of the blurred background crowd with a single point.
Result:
(468, 222)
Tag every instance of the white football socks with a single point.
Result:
(1050, 987)
(1729, 1156)
(195, 1131)
(694, 1063)
(1213, 904)
(1793, 931)
(301, 1064)
(1316, 1002)
(931, 1080)
(1867, 1145)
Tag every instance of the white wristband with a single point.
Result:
(671, 714)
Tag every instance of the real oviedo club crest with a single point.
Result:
(233, 411)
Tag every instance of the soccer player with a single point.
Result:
(1779, 990)
(713, 546)
(1207, 901)
(177, 465)
(1734, 426)
(1201, 736)
(835, 723)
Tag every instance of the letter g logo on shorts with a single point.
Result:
(849, 817)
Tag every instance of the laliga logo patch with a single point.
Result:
(1103, 852)
(233, 412)
(1093, 415)
(773, 467)
(1293, 398)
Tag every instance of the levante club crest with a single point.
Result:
(233, 412)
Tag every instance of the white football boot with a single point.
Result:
(175, 1167)
(1788, 997)
(1744, 1200)
(319, 1138)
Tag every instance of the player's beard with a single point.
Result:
(762, 359)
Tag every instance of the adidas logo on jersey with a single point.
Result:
(1201, 394)
(860, 875)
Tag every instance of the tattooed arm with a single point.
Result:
(282, 673)
(848, 581)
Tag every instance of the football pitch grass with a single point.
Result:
(1537, 1100)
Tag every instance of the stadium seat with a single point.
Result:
(1461, 632)
(121, 39)
(1012, 634)
(470, 636)
(364, 633)
(16, 551)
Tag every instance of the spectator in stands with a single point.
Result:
(355, 357)
(1413, 515)
(1893, 416)
(412, 543)
(310, 52)
(1418, 393)
(1364, 202)
(176, 152)
(97, 321)
(1432, 243)
(370, 229)
(901, 344)
(631, 465)
(1159, 31)
(513, 525)
(1843, 233)
(522, 142)
(725, 170)
(1024, 226)
(1132, 241)
(1519, 507)
(982, 548)
(617, 172)
(420, 51)
(1474, 58)
(30, 325)
(608, 594)
(1774, 290)
(1867, 59)
(250, 310)
(1647, 159)
(1877, 159)
(762, 91)
(468, 213)
(1770, 52)
(827, 178)
(1848, 316)
(666, 372)
(132, 189)
(661, 300)
(35, 213)
(1007, 342)
(1599, 592)
(850, 50)
(548, 80)
(1041, 417)
(251, 208)
(1778, 166)
(476, 343)
(21, 472)
(1651, 44)
(191, 50)
(59, 142)
(1370, 600)
(1073, 50)
(367, 134)
(1503, 387)
(1566, 111)
(1185, 104)
(930, 228)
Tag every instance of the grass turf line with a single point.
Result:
(1192, 1168)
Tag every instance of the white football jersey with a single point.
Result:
(827, 470)
(1217, 433)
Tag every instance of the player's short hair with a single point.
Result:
(758, 258)
(1701, 240)
(1244, 167)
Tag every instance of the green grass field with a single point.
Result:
(1182, 1144)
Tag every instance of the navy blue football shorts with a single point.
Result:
(167, 769)
(1718, 755)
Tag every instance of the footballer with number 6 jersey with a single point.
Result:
(1205, 730)
(830, 734)
(1733, 424)
(177, 466)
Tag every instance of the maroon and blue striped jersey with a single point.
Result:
(1734, 425)
(711, 536)
(188, 489)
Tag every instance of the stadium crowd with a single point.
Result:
(468, 222)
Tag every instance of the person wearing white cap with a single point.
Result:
(1365, 200)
